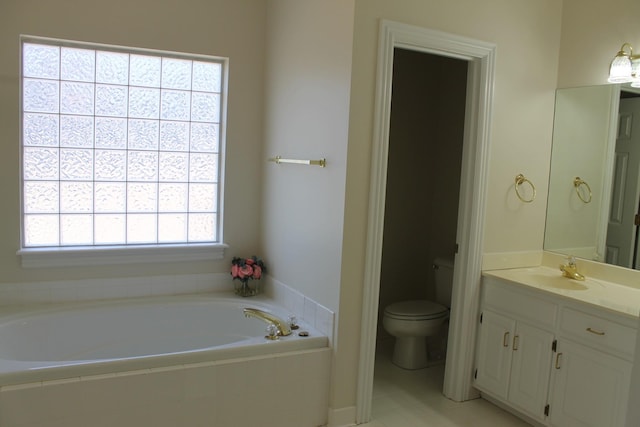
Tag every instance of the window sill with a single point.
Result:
(92, 256)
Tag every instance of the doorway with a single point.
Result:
(480, 57)
(423, 181)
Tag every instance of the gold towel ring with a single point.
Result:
(577, 182)
(520, 179)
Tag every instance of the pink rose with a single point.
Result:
(257, 272)
(235, 271)
(249, 261)
(245, 271)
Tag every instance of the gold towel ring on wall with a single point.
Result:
(520, 179)
(577, 182)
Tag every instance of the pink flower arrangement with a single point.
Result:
(244, 269)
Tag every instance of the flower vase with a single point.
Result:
(246, 288)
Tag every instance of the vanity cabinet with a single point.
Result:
(589, 387)
(513, 357)
(559, 362)
(592, 370)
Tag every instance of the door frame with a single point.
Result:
(473, 189)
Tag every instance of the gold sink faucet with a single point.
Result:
(281, 326)
(570, 269)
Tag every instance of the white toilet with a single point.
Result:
(410, 322)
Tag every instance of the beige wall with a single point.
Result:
(233, 29)
(527, 34)
(306, 117)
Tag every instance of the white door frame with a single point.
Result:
(473, 189)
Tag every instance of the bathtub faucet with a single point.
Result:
(282, 326)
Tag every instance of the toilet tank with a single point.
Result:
(443, 268)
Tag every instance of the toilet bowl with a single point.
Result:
(411, 322)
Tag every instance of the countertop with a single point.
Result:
(621, 299)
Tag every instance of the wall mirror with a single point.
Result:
(594, 184)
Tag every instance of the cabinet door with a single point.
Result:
(589, 388)
(530, 368)
(493, 359)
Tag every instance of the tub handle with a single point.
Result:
(272, 332)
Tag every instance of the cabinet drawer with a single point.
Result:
(607, 334)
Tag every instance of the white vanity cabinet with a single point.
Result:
(560, 362)
(514, 352)
(591, 371)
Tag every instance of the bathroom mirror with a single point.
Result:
(594, 180)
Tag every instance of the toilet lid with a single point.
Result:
(416, 310)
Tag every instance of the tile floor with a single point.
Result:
(404, 398)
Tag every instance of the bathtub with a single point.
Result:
(157, 361)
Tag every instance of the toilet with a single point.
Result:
(411, 322)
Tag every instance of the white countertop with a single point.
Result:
(612, 296)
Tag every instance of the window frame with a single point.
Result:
(63, 256)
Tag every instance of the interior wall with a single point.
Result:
(592, 33)
(233, 29)
(308, 75)
(527, 35)
(423, 175)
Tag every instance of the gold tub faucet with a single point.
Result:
(570, 269)
(282, 327)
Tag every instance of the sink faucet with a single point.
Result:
(570, 269)
(282, 327)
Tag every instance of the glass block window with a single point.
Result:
(119, 146)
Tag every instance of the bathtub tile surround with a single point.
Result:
(302, 307)
(285, 390)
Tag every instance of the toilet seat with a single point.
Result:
(416, 310)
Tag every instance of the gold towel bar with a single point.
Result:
(321, 162)
(520, 179)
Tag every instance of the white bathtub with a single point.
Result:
(95, 338)
(125, 346)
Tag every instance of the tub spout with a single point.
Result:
(281, 326)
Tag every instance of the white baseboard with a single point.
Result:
(342, 417)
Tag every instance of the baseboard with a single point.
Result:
(511, 410)
(342, 417)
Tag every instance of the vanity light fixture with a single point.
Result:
(625, 67)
